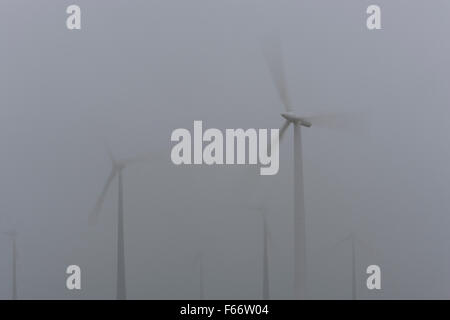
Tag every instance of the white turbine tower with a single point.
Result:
(13, 236)
(201, 276)
(262, 210)
(354, 287)
(354, 240)
(116, 170)
(265, 284)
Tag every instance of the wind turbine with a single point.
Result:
(335, 121)
(275, 65)
(354, 240)
(13, 235)
(116, 170)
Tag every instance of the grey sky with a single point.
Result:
(139, 69)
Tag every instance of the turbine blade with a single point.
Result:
(283, 129)
(11, 233)
(359, 241)
(335, 246)
(273, 56)
(281, 132)
(341, 241)
(137, 159)
(343, 121)
(110, 154)
(98, 205)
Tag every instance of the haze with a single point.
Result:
(140, 69)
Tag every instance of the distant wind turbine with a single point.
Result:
(201, 284)
(354, 292)
(274, 61)
(265, 250)
(116, 170)
(13, 236)
(266, 288)
(352, 238)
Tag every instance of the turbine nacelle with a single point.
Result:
(12, 233)
(116, 169)
(291, 117)
(119, 166)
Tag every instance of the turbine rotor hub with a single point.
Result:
(291, 117)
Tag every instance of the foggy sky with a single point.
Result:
(140, 69)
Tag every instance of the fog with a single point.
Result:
(137, 70)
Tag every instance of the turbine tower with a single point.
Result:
(117, 170)
(201, 284)
(265, 293)
(13, 236)
(262, 210)
(352, 240)
(276, 69)
(354, 292)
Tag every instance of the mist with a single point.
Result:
(137, 70)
